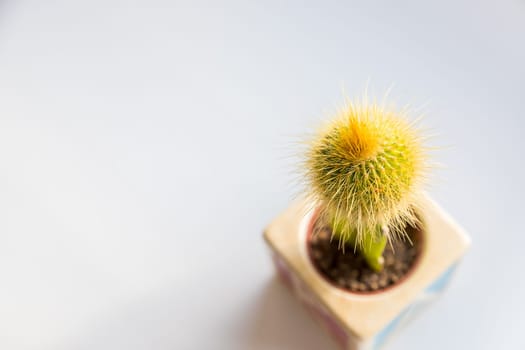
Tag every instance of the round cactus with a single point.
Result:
(364, 170)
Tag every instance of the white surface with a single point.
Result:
(143, 148)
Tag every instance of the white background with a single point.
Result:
(145, 145)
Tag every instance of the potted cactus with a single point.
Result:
(365, 247)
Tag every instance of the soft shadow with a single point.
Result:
(277, 320)
(271, 319)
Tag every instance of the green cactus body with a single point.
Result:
(364, 171)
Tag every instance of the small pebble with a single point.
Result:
(394, 278)
(323, 235)
(317, 254)
(389, 260)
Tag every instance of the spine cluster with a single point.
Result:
(364, 170)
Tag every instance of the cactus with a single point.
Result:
(364, 171)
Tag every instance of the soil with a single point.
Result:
(348, 270)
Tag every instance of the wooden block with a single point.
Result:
(366, 321)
